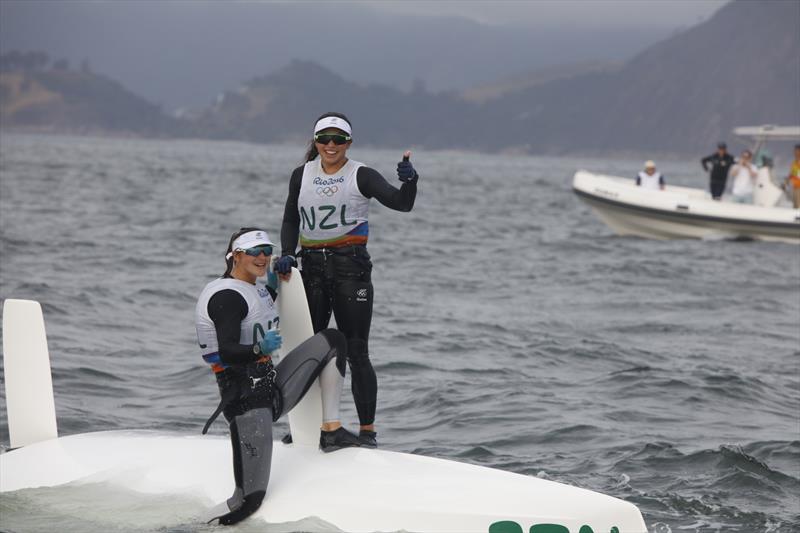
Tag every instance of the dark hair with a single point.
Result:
(229, 260)
(312, 152)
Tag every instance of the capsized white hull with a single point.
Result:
(355, 490)
(681, 212)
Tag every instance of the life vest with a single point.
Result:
(647, 181)
(794, 174)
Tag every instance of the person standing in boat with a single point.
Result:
(793, 179)
(649, 178)
(237, 329)
(327, 210)
(744, 174)
(721, 162)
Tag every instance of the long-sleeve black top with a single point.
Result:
(227, 308)
(720, 165)
(371, 184)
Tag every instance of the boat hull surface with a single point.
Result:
(353, 489)
(681, 212)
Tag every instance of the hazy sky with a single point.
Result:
(185, 52)
(580, 13)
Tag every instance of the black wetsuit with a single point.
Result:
(720, 166)
(254, 394)
(338, 281)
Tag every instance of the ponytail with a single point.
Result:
(312, 152)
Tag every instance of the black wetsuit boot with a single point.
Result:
(330, 441)
(369, 439)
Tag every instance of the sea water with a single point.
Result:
(511, 328)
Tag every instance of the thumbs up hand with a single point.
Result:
(405, 170)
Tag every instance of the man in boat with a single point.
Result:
(793, 179)
(649, 178)
(721, 162)
(744, 174)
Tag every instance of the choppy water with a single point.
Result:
(511, 328)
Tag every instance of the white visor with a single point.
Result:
(333, 122)
(248, 240)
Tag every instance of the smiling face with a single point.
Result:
(333, 156)
(248, 268)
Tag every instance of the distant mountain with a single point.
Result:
(520, 82)
(77, 101)
(284, 105)
(681, 95)
(741, 67)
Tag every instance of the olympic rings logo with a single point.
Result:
(327, 191)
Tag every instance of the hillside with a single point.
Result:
(681, 95)
(76, 101)
(283, 106)
(741, 67)
(520, 82)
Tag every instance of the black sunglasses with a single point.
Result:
(337, 138)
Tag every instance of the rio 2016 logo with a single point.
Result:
(509, 526)
(328, 181)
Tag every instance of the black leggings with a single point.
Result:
(717, 187)
(339, 281)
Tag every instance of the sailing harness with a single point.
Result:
(243, 388)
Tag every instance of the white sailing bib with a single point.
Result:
(262, 313)
(333, 212)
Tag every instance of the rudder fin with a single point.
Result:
(29, 384)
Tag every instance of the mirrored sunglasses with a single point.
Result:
(258, 250)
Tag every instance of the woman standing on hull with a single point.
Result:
(236, 320)
(327, 210)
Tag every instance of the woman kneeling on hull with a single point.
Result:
(237, 329)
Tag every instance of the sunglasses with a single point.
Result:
(325, 138)
(258, 250)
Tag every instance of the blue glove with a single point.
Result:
(272, 280)
(271, 342)
(284, 264)
(405, 171)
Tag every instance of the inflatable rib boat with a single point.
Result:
(685, 212)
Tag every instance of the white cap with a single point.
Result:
(649, 164)
(249, 240)
(333, 122)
